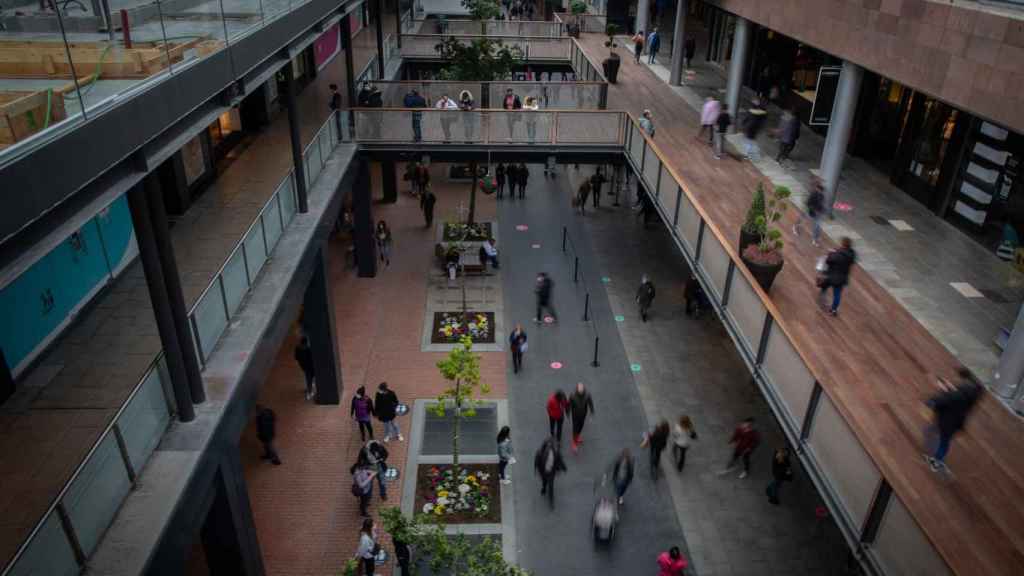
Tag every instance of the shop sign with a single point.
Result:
(825, 95)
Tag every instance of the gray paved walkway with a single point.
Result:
(906, 263)
(560, 542)
(691, 366)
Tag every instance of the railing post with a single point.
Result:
(565, 235)
(69, 531)
(554, 127)
(576, 269)
(123, 449)
(595, 363)
(586, 308)
(603, 102)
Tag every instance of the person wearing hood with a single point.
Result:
(548, 463)
(466, 104)
(671, 563)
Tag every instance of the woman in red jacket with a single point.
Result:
(671, 563)
(557, 404)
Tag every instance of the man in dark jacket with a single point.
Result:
(414, 100)
(265, 432)
(304, 357)
(543, 291)
(580, 405)
(645, 296)
(837, 273)
(596, 182)
(788, 132)
(385, 404)
(428, 207)
(374, 455)
(951, 410)
(548, 463)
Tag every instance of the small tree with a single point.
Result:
(462, 368)
(481, 60)
(754, 222)
(611, 30)
(577, 8)
(482, 11)
(768, 249)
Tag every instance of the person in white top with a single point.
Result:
(446, 103)
(368, 547)
(682, 433)
(708, 117)
(531, 105)
(490, 252)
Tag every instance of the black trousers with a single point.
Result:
(746, 460)
(364, 429)
(680, 454)
(502, 464)
(784, 151)
(547, 486)
(517, 360)
(369, 564)
(556, 427)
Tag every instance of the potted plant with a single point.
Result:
(764, 258)
(753, 225)
(610, 65)
(577, 8)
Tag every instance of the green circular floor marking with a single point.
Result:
(605, 279)
(620, 318)
(634, 367)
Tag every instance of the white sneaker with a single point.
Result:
(796, 231)
(512, 460)
(309, 395)
(743, 475)
(400, 438)
(387, 439)
(506, 481)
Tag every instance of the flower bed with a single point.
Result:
(456, 231)
(472, 497)
(449, 327)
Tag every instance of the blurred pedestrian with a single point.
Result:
(557, 406)
(548, 463)
(362, 485)
(788, 133)
(597, 181)
(709, 117)
(499, 177)
(361, 411)
(582, 194)
(782, 471)
(543, 291)
(656, 441)
(951, 408)
(622, 473)
(645, 296)
(386, 407)
(638, 45)
(517, 343)
(504, 453)
(814, 208)
(304, 357)
(836, 273)
(428, 206)
(512, 175)
(580, 405)
(722, 126)
(691, 49)
(752, 124)
(683, 433)
(653, 45)
(266, 432)
(383, 237)
(671, 563)
(523, 174)
(745, 439)
(368, 547)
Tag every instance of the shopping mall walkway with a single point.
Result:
(67, 399)
(874, 360)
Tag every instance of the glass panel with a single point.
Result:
(314, 164)
(589, 128)
(667, 191)
(236, 284)
(272, 8)
(255, 250)
(324, 140)
(210, 318)
(636, 144)
(553, 94)
(688, 223)
(850, 471)
(145, 419)
(287, 194)
(714, 261)
(243, 16)
(902, 547)
(787, 374)
(747, 310)
(272, 225)
(652, 165)
(393, 93)
(49, 553)
(95, 495)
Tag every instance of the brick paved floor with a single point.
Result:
(307, 520)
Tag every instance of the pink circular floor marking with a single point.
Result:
(548, 319)
(522, 227)
(535, 246)
(556, 365)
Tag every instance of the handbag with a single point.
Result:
(821, 265)
(523, 347)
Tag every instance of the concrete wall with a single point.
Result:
(967, 54)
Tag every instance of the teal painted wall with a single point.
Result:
(40, 301)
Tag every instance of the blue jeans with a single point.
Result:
(943, 448)
(837, 292)
(391, 429)
(417, 129)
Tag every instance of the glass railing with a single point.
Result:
(62, 67)
(550, 95)
(532, 48)
(585, 69)
(69, 532)
(593, 22)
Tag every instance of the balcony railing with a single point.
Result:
(550, 95)
(532, 48)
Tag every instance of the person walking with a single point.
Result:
(656, 440)
(361, 411)
(722, 125)
(523, 174)
(414, 100)
(951, 408)
(580, 405)
(691, 293)
(446, 105)
(499, 177)
(505, 453)
(837, 274)
(548, 463)
(752, 125)
(597, 181)
(653, 44)
(691, 49)
(557, 405)
(362, 485)
(683, 433)
(512, 175)
(745, 440)
(375, 455)
(517, 343)
(368, 547)
(782, 471)
(304, 357)
(383, 236)
(386, 406)
(266, 431)
(583, 194)
(531, 105)
(638, 45)
(428, 206)
(671, 563)
(788, 133)
(543, 290)
(708, 118)
(645, 296)
(647, 124)
(813, 210)
(622, 473)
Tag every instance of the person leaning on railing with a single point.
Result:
(414, 100)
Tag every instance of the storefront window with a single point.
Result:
(933, 141)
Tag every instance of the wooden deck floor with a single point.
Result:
(875, 361)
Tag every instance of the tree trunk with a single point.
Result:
(455, 434)
(471, 218)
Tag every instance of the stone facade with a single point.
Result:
(964, 53)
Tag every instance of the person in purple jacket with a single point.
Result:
(362, 411)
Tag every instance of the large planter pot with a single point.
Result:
(764, 273)
(610, 67)
(746, 239)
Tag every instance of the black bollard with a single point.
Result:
(565, 235)
(576, 269)
(595, 362)
(586, 308)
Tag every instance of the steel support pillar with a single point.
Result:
(318, 323)
(389, 181)
(642, 9)
(1008, 375)
(350, 74)
(678, 45)
(150, 258)
(362, 218)
(296, 139)
(378, 7)
(839, 128)
(738, 63)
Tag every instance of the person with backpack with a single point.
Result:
(656, 440)
(368, 547)
(788, 133)
(645, 296)
(951, 409)
(362, 411)
(622, 473)
(375, 455)
(265, 431)
(548, 463)
(304, 357)
(745, 439)
(385, 406)
(782, 471)
(814, 209)
(836, 274)
(362, 485)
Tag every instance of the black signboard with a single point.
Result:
(825, 95)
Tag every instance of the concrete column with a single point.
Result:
(642, 9)
(172, 282)
(678, 45)
(350, 74)
(738, 63)
(362, 219)
(398, 22)
(378, 7)
(296, 139)
(843, 110)
(150, 258)
(389, 181)
(318, 323)
(1008, 375)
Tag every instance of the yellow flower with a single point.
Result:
(439, 510)
(442, 494)
(471, 479)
